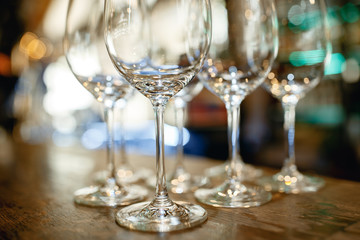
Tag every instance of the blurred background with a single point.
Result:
(41, 101)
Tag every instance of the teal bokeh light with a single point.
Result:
(302, 21)
(350, 13)
(335, 65)
(302, 58)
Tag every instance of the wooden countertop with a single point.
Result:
(36, 202)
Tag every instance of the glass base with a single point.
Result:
(233, 194)
(128, 175)
(101, 196)
(101, 176)
(124, 175)
(150, 217)
(291, 183)
(183, 183)
(248, 172)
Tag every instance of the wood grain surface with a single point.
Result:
(36, 202)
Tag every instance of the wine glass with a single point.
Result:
(236, 66)
(158, 46)
(87, 57)
(220, 42)
(303, 51)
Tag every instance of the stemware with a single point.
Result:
(236, 66)
(158, 46)
(303, 52)
(219, 43)
(88, 59)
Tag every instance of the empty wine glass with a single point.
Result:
(236, 66)
(220, 42)
(158, 46)
(88, 59)
(303, 51)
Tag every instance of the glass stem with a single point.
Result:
(180, 109)
(161, 194)
(289, 131)
(110, 153)
(233, 118)
(123, 157)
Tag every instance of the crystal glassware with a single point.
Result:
(236, 66)
(87, 57)
(158, 46)
(219, 43)
(303, 52)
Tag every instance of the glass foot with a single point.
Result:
(127, 175)
(100, 196)
(291, 183)
(183, 183)
(101, 176)
(233, 194)
(124, 175)
(150, 217)
(248, 172)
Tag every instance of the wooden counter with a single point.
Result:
(36, 202)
